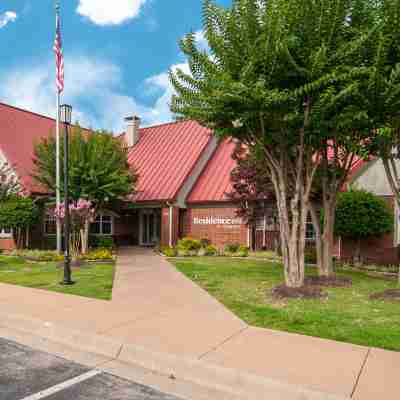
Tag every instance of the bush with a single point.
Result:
(232, 248)
(205, 243)
(39, 255)
(104, 242)
(310, 255)
(169, 251)
(98, 255)
(191, 245)
(210, 250)
(243, 251)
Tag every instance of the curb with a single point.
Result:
(230, 383)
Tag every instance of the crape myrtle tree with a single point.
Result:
(381, 92)
(271, 68)
(99, 171)
(8, 182)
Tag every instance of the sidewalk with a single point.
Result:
(157, 309)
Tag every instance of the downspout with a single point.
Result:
(170, 223)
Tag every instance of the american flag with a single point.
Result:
(59, 57)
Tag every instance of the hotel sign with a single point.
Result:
(217, 221)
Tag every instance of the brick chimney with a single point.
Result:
(132, 130)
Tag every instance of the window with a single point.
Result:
(310, 231)
(50, 225)
(5, 233)
(103, 225)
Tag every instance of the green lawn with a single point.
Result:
(347, 314)
(94, 280)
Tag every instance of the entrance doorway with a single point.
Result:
(150, 227)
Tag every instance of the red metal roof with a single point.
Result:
(19, 130)
(215, 181)
(165, 156)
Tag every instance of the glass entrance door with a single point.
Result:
(150, 221)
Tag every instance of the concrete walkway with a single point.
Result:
(156, 308)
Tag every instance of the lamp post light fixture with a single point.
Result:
(65, 118)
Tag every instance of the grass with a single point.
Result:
(347, 315)
(95, 280)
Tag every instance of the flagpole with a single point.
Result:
(58, 180)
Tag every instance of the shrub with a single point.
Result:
(105, 242)
(242, 251)
(232, 248)
(310, 255)
(169, 251)
(191, 245)
(98, 254)
(210, 250)
(18, 213)
(361, 214)
(39, 255)
(205, 243)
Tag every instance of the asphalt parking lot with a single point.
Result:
(28, 374)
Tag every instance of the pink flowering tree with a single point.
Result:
(82, 213)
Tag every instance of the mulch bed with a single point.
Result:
(390, 294)
(329, 281)
(305, 292)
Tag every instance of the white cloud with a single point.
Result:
(160, 84)
(110, 12)
(7, 17)
(98, 97)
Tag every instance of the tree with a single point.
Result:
(8, 182)
(99, 170)
(276, 72)
(361, 214)
(19, 214)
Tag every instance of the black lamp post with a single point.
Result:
(65, 118)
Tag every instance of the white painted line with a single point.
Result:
(63, 385)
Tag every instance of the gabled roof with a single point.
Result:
(19, 130)
(164, 157)
(215, 181)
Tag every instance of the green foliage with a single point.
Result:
(361, 214)
(310, 255)
(38, 255)
(210, 250)
(169, 251)
(204, 243)
(99, 169)
(106, 242)
(189, 244)
(243, 251)
(232, 247)
(98, 254)
(8, 182)
(18, 212)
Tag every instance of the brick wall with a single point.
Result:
(7, 244)
(219, 235)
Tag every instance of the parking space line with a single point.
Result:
(63, 385)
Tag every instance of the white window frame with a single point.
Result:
(5, 235)
(47, 218)
(310, 223)
(101, 225)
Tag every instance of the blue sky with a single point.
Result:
(117, 54)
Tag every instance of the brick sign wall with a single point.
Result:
(219, 225)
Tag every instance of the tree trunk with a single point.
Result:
(85, 237)
(318, 236)
(292, 239)
(328, 236)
